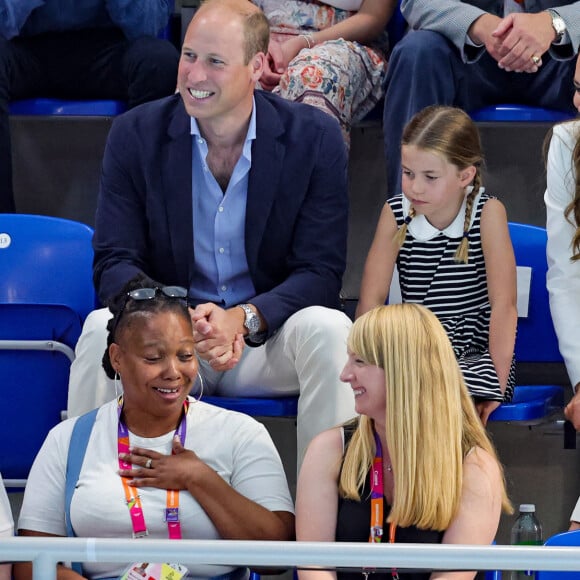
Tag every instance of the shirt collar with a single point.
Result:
(250, 135)
(420, 228)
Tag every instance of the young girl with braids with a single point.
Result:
(451, 245)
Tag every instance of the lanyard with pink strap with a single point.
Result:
(377, 503)
(131, 494)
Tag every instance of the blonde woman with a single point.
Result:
(417, 465)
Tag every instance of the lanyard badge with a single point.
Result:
(132, 497)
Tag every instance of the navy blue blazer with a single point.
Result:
(296, 214)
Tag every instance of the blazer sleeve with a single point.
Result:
(120, 252)
(451, 18)
(570, 13)
(563, 279)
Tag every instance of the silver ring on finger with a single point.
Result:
(148, 463)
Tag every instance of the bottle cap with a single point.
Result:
(527, 507)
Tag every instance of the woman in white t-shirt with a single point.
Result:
(331, 54)
(6, 527)
(229, 478)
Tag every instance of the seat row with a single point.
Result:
(46, 292)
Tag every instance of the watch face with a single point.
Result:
(559, 25)
(253, 324)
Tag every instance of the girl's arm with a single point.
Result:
(500, 267)
(479, 511)
(317, 495)
(380, 263)
(363, 26)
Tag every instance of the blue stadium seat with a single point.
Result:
(257, 407)
(536, 340)
(46, 291)
(60, 107)
(519, 113)
(562, 539)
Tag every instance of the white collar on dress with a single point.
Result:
(420, 228)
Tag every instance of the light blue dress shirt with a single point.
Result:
(221, 273)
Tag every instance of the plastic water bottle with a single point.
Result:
(526, 531)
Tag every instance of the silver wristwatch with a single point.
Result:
(558, 25)
(251, 322)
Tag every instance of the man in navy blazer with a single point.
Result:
(241, 197)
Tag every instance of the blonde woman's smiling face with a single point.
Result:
(367, 382)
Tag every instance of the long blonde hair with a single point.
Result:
(450, 133)
(431, 422)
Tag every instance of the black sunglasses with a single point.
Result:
(139, 294)
(150, 293)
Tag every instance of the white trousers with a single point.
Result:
(304, 357)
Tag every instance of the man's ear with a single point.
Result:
(258, 62)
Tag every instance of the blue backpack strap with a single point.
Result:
(76, 454)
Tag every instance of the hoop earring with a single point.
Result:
(201, 388)
(117, 383)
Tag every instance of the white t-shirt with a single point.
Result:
(6, 521)
(236, 446)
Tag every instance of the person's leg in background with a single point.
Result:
(89, 387)
(21, 76)
(105, 65)
(150, 69)
(343, 79)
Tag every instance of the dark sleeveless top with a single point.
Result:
(353, 522)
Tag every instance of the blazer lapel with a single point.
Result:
(177, 189)
(267, 158)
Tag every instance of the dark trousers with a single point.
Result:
(426, 69)
(84, 64)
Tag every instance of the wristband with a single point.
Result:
(309, 38)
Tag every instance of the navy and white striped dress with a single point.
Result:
(455, 292)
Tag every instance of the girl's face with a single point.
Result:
(368, 384)
(435, 187)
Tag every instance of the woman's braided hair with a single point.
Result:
(123, 309)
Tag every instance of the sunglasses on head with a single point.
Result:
(150, 293)
(139, 294)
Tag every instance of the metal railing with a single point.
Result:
(46, 552)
